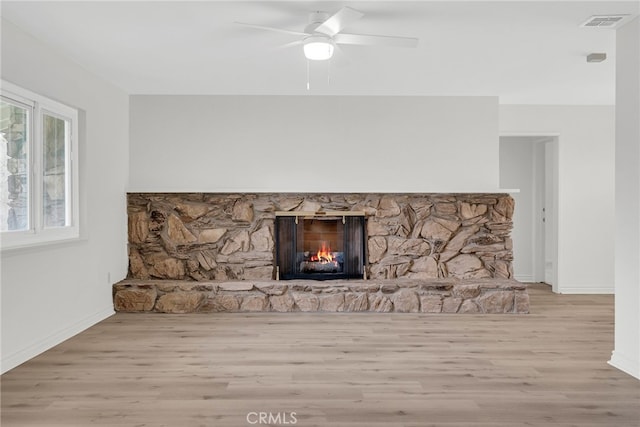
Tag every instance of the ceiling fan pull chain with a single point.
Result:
(308, 86)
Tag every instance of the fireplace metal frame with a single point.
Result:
(307, 214)
(351, 271)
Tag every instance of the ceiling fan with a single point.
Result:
(323, 33)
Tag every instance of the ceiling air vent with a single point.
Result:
(604, 21)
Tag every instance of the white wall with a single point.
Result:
(517, 171)
(309, 144)
(585, 188)
(51, 293)
(626, 355)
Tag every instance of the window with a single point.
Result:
(38, 169)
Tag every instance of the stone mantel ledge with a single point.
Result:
(222, 190)
(386, 295)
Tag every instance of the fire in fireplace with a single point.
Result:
(320, 245)
(325, 260)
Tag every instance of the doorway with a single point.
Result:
(529, 164)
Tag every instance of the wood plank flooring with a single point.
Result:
(547, 368)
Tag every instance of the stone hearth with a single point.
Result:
(398, 295)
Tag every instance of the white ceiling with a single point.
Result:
(523, 52)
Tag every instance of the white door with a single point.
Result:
(539, 232)
(551, 213)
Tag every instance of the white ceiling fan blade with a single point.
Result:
(288, 45)
(335, 23)
(270, 51)
(363, 39)
(280, 30)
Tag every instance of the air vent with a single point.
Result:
(604, 21)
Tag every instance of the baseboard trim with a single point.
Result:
(19, 357)
(604, 290)
(524, 278)
(625, 364)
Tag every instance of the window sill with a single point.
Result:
(25, 248)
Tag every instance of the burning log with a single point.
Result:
(319, 267)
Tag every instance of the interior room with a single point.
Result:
(320, 213)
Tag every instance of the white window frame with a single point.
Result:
(37, 234)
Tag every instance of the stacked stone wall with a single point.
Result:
(212, 236)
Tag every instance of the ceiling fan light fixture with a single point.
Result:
(318, 48)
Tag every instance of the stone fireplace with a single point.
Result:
(320, 245)
(215, 236)
(407, 253)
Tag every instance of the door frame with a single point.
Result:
(551, 204)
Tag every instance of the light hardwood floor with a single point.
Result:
(547, 368)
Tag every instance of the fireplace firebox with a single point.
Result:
(320, 245)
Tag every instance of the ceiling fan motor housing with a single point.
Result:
(318, 17)
(315, 20)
